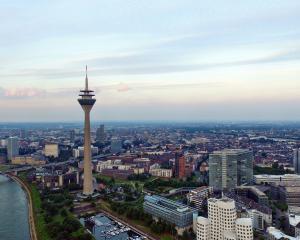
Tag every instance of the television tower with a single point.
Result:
(87, 102)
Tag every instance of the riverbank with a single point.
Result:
(32, 228)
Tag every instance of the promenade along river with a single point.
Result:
(13, 211)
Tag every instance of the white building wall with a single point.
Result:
(203, 229)
(244, 229)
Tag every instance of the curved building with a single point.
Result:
(222, 222)
(244, 229)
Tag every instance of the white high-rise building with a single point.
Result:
(12, 147)
(222, 214)
(222, 222)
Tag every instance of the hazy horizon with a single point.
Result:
(185, 61)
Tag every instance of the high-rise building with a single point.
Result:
(100, 134)
(179, 165)
(72, 135)
(51, 150)
(12, 147)
(23, 133)
(230, 168)
(297, 160)
(87, 102)
(116, 145)
(222, 222)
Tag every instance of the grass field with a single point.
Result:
(40, 222)
(4, 167)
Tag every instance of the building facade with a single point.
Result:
(222, 222)
(173, 212)
(72, 136)
(292, 179)
(260, 220)
(79, 152)
(180, 165)
(297, 160)
(100, 134)
(199, 195)
(275, 234)
(12, 147)
(28, 160)
(116, 145)
(230, 168)
(51, 150)
(161, 172)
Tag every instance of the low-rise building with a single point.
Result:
(110, 166)
(28, 160)
(277, 179)
(161, 172)
(80, 151)
(55, 179)
(275, 234)
(173, 212)
(260, 220)
(254, 193)
(199, 195)
(118, 173)
(51, 150)
(290, 195)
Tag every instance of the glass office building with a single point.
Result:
(230, 168)
(173, 212)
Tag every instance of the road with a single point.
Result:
(25, 168)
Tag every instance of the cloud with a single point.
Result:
(120, 66)
(22, 92)
(122, 87)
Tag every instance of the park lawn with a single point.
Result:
(58, 218)
(4, 167)
(167, 237)
(40, 224)
(177, 197)
(108, 178)
(124, 181)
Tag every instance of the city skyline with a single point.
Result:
(185, 61)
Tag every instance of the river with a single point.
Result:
(13, 211)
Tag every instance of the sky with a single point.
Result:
(158, 60)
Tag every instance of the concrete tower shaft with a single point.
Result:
(87, 102)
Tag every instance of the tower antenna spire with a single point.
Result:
(86, 79)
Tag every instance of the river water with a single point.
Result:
(13, 211)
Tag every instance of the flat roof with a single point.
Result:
(169, 204)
